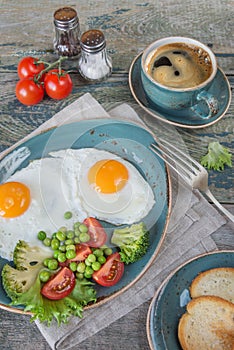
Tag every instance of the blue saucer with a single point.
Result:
(169, 302)
(220, 89)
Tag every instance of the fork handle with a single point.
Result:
(218, 205)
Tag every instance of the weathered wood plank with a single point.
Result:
(114, 91)
(128, 26)
(27, 29)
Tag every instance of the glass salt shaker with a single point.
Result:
(67, 32)
(94, 63)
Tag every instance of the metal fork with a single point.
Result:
(193, 173)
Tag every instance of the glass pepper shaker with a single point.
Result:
(94, 63)
(67, 31)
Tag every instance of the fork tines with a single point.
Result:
(178, 160)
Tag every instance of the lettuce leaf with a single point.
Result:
(46, 310)
(217, 157)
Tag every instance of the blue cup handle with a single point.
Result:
(211, 103)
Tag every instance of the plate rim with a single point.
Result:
(167, 121)
(169, 207)
(164, 283)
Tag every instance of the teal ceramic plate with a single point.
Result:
(130, 142)
(220, 89)
(169, 302)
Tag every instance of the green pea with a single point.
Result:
(91, 258)
(96, 265)
(101, 259)
(61, 236)
(83, 228)
(69, 241)
(87, 262)
(76, 240)
(77, 232)
(56, 253)
(89, 270)
(70, 254)
(68, 215)
(53, 235)
(47, 242)
(73, 266)
(87, 275)
(62, 257)
(70, 234)
(98, 252)
(41, 235)
(44, 275)
(63, 229)
(70, 247)
(76, 224)
(62, 248)
(81, 267)
(52, 264)
(80, 276)
(84, 237)
(108, 251)
(54, 243)
(45, 262)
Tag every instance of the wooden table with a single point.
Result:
(27, 29)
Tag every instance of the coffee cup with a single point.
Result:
(176, 74)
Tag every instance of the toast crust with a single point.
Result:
(217, 281)
(208, 324)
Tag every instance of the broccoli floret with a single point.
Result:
(28, 257)
(133, 242)
(28, 262)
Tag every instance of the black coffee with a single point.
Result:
(180, 65)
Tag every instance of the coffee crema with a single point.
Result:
(179, 65)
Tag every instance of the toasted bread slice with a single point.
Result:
(208, 324)
(217, 281)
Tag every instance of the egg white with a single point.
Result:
(49, 201)
(59, 183)
(129, 205)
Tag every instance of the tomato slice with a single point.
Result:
(82, 252)
(60, 285)
(111, 272)
(96, 231)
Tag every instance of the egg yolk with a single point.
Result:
(14, 199)
(108, 176)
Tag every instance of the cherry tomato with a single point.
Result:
(58, 86)
(29, 92)
(111, 272)
(60, 285)
(82, 251)
(28, 67)
(96, 231)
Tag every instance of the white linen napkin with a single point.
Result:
(192, 222)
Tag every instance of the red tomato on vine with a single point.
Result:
(29, 92)
(29, 67)
(58, 85)
(36, 77)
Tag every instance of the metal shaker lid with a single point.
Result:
(93, 40)
(66, 17)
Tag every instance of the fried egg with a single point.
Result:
(108, 187)
(87, 182)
